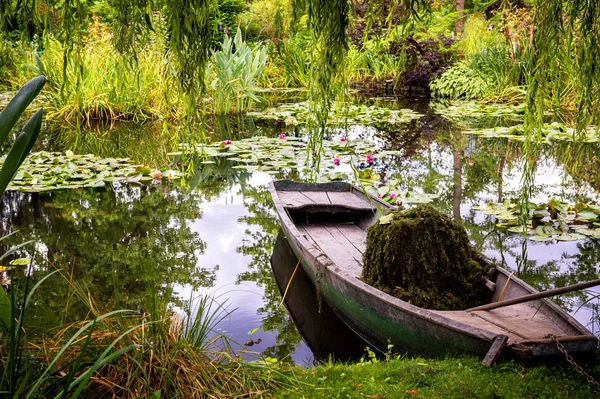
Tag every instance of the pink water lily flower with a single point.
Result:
(282, 136)
(227, 142)
(378, 195)
(336, 161)
(393, 195)
(369, 158)
(342, 139)
(156, 175)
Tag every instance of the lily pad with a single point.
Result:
(47, 171)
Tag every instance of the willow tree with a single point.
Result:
(187, 25)
(565, 34)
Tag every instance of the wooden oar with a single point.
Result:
(537, 295)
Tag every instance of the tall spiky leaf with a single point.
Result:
(16, 106)
(22, 146)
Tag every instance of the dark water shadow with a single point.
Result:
(322, 331)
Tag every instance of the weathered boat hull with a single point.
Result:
(381, 319)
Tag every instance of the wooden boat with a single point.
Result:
(322, 331)
(326, 224)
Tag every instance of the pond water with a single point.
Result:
(132, 245)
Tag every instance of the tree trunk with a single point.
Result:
(458, 27)
(457, 156)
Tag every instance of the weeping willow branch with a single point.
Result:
(187, 24)
(566, 37)
(327, 21)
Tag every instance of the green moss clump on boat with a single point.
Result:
(424, 257)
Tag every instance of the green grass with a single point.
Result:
(447, 378)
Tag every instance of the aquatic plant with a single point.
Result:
(458, 111)
(47, 171)
(270, 155)
(554, 220)
(299, 114)
(26, 139)
(548, 133)
(425, 258)
(234, 71)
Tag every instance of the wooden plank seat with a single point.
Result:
(325, 201)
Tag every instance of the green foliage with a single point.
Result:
(109, 88)
(498, 68)
(548, 133)
(459, 82)
(352, 114)
(47, 171)
(327, 22)
(478, 36)
(293, 57)
(235, 68)
(425, 258)
(8, 60)
(373, 60)
(224, 19)
(554, 220)
(31, 130)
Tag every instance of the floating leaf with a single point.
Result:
(20, 262)
(587, 215)
(541, 238)
(569, 237)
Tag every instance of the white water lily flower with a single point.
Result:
(69, 153)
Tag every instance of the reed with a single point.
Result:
(129, 355)
(98, 84)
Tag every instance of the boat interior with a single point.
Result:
(336, 222)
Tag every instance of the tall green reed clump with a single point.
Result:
(288, 63)
(233, 73)
(152, 355)
(100, 84)
(373, 62)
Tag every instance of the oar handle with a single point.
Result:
(537, 295)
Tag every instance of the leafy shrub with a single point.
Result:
(225, 19)
(234, 71)
(459, 82)
(498, 67)
(478, 35)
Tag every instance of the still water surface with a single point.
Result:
(131, 244)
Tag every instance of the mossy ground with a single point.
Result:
(446, 378)
(425, 258)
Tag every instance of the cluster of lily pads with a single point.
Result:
(551, 132)
(457, 111)
(300, 114)
(341, 159)
(47, 171)
(555, 220)
(270, 155)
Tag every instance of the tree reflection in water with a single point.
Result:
(126, 246)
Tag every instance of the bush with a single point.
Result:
(459, 82)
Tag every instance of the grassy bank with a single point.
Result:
(448, 378)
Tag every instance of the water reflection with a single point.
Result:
(132, 244)
(127, 246)
(324, 333)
